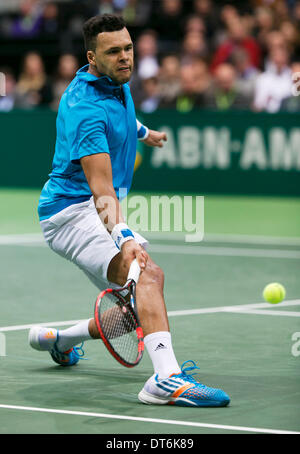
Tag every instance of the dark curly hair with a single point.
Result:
(99, 24)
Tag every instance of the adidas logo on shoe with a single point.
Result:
(160, 346)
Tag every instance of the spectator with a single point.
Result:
(292, 37)
(33, 82)
(238, 38)
(281, 10)
(147, 98)
(189, 98)
(195, 24)
(265, 23)
(137, 13)
(275, 84)
(224, 93)
(50, 20)
(147, 49)
(203, 7)
(246, 73)
(7, 99)
(193, 46)
(146, 62)
(167, 20)
(151, 99)
(192, 34)
(296, 13)
(292, 103)
(105, 7)
(66, 71)
(12, 99)
(202, 75)
(274, 40)
(169, 78)
(29, 21)
(227, 14)
(207, 12)
(249, 22)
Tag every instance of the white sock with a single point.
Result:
(73, 336)
(159, 347)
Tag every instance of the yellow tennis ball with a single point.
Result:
(274, 293)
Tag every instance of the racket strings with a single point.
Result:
(119, 327)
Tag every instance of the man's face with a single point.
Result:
(113, 56)
(225, 77)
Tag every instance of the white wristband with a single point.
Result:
(143, 131)
(121, 233)
(146, 134)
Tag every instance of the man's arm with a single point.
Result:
(98, 172)
(155, 138)
(150, 137)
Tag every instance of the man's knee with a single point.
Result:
(152, 275)
(118, 270)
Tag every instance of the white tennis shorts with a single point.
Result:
(77, 234)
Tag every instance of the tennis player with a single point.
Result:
(81, 218)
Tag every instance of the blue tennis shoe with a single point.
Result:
(183, 390)
(45, 339)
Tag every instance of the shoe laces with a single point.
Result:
(79, 352)
(189, 377)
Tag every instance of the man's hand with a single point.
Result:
(155, 138)
(131, 250)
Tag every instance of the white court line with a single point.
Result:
(23, 327)
(227, 238)
(253, 239)
(36, 239)
(183, 249)
(150, 420)
(241, 309)
(224, 251)
(201, 250)
(32, 238)
(267, 312)
(24, 238)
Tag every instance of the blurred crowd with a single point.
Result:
(189, 54)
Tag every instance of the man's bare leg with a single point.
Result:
(149, 294)
(152, 313)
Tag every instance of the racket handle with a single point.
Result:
(134, 271)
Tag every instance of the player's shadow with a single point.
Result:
(100, 389)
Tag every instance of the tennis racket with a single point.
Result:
(117, 320)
